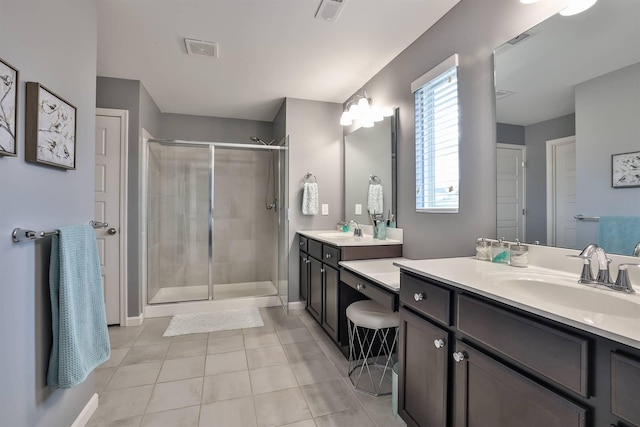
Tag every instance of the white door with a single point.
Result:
(510, 209)
(107, 200)
(561, 161)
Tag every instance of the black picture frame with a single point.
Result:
(625, 170)
(9, 78)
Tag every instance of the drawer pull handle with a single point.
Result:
(439, 343)
(419, 296)
(459, 356)
(360, 286)
(327, 256)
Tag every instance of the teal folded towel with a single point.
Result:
(79, 323)
(619, 234)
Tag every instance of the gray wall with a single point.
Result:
(510, 134)
(472, 29)
(607, 122)
(61, 56)
(536, 137)
(315, 145)
(131, 95)
(213, 129)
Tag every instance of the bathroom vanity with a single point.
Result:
(483, 344)
(328, 289)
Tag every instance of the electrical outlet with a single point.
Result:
(358, 209)
(325, 209)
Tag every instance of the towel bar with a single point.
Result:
(22, 234)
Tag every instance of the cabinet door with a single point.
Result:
(331, 307)
(487, 393)
(314, 302)
(423, 372)
(304, 276)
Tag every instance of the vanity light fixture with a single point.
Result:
(360, 108)
(574, 7)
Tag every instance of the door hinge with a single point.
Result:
(524, 211)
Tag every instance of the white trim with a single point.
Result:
(123, 115)
(297, 305)
(171, 309)
(143, 166)
(135, 320)
(523, 149)
(448, 63)
(85, 415)
(551, 144)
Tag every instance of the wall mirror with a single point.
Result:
(567, 100)
(370, 153)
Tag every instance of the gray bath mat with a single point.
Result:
(195, 323)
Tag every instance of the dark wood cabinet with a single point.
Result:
(424, 365)
(331, 315)
(304, 276)
(314, 302)
(625, 382)
(487, 393)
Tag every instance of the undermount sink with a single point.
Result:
(568, 293)
(336, 235)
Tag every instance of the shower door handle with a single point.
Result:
(111, 231)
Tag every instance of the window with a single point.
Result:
(437, 137)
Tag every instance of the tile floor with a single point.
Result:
(286, 373)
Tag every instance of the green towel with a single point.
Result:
(79, 322)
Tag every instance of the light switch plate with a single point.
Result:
(358, 209)
(325, 209)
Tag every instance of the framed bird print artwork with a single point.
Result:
(625, 170)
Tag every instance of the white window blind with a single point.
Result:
(437, 137)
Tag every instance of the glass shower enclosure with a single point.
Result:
(216, 221)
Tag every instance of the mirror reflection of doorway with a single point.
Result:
(561, 192)
(510, 208)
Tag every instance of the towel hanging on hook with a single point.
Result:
(374, 179)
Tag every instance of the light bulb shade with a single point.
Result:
(353, 109)
(345, 119)
(376, 115)
(528, 1)
(387, 112)
(366, 122)
(577, 6)
(364, 106)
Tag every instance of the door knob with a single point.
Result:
(111, 231)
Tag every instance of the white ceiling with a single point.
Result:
(544, 69)
(269, 49)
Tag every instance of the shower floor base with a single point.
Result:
(193, 299)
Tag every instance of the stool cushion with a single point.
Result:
(370, 314)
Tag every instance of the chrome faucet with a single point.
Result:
(636, 250)
(357, 231)
(603, 278)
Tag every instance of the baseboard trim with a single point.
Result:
(87, 412)
(297, 305)
(135, 320)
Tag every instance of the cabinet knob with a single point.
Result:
(360, 286)
(307, 260)
(322, 270)
(327, 256)
(459, 356)
(419, 296)
(301, 243)
(439, 343)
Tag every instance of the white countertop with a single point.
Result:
(338, 238)
(476, 276)
(381, 271)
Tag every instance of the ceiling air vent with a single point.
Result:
(201, 47)
(329, 10)
(502, 94)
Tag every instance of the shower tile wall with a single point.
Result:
(244, 230)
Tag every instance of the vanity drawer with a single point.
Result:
(426, 298)
(330, 255)
(554, 354)
(314, 248)
(303, 243)
(625, 377)
(384, 298)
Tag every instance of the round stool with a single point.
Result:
(373, 334)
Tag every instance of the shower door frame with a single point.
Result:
(212, 146)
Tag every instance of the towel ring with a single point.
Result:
(374, 179)
(308, 176)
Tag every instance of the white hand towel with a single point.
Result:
(375, 202)
(310, 199)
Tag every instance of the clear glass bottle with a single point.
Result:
(483, 250)
(500, 252)
(519, 255)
